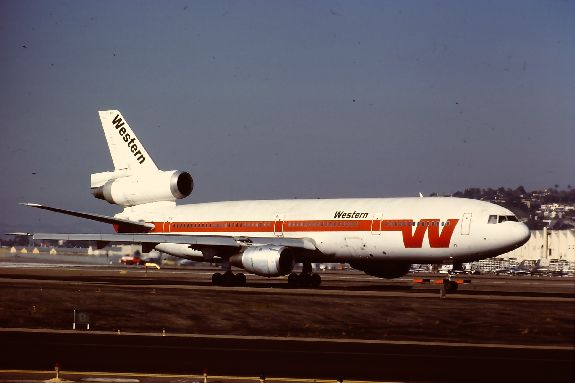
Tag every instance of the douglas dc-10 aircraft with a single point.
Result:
(379, 236)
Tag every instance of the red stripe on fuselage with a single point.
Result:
(411, 238)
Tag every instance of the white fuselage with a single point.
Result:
(416, 230)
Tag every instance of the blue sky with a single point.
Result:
(285, 99)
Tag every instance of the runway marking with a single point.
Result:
(291, 339)
(189, 376)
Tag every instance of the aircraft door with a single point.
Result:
(466, 224)
(376, 224)
(279, 226)
(167, 225)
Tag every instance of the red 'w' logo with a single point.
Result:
(414, 239)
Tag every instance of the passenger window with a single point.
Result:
(492, 219)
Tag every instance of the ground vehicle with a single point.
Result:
(132, 260)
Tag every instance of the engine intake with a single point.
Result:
(266, 261)
(130, 190)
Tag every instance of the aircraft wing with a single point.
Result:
(143, 238)
(193, 240)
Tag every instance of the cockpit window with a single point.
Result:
(502, 218)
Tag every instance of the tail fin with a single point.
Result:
(128, 153)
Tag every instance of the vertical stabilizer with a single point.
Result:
(128, 153)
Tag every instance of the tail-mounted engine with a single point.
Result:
(134, 189)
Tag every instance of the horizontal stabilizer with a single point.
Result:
(96, 217)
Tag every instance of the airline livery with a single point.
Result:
(379, 236)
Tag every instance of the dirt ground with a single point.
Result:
(226, 312)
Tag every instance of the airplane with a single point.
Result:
(382, 237)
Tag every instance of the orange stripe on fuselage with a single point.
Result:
(411, 238)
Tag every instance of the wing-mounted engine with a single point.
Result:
(129, 189)
(388, 269)
(266, 261)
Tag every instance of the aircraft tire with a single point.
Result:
(451, 286)
(304, 280)
(217, 279)
(240, 279)
(229, 279)
(315, 280)
(293, 280)
(310, 281)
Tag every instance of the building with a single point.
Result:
(554, 249)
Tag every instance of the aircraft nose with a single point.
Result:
(522, 234)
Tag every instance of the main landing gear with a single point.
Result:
(229, 279)
(307, 278)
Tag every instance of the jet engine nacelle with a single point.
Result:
(180, 250)
(135, 189)
(386, 270)
(267, 261)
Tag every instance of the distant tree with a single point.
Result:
(519, 191)
(474, 193)
(489, 194)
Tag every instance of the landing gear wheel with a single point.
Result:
(217, 279)
(229, 279)
(304, 280)
(293, 280)
(315, 280)
(451, 286)
(240, 279)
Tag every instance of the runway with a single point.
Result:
(354, 327)
(98, 270)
